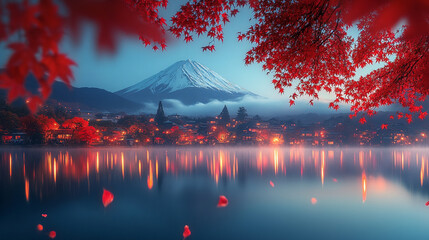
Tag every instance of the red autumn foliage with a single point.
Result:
(107, 198)
(304, 44)
(384, 126)
(81, 131)
(47, 123)
(186, 232)
(75, 123)
(223, 201)
(87, 134)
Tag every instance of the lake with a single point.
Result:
(273, 193)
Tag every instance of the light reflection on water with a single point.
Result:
(356, 193)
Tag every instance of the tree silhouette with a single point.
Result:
(224, 117)
(160, 116)
(241, 114)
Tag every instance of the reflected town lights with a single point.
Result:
(10, 165)
(422, 172)
(219, 164)
(363, 186)
(322, 168)
(27, 190)
(55, 170)
(150, 176)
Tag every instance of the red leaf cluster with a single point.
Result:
(117, 18)
(33, 32)
(306, 43)
(204, 17)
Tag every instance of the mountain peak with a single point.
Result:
(185, 74)
(182, 78)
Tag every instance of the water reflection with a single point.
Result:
(42, 171)
(354, 193)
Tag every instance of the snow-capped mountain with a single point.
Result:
(187, 81)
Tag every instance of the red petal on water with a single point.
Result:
(223, 201)
(186, 232)
(427, 203)
(44, 215)
(335, 180)
(107, 198)
(313, 201)
(39, 227)
(52, 234)
(271, 183)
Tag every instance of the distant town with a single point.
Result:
(57, 125)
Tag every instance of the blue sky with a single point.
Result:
(132, 62)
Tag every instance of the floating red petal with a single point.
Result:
(186, 231)
(223, 201)
(39, 227)
(52, 234)
(107, 198)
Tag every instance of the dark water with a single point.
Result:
(361, 193)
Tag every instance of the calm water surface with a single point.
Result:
(361, 193)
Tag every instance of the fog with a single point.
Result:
(263, 107)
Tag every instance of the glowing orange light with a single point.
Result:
(156, 169)
(27, 190)
(55, 170)
(122, 165)
(150, 176)
(10, 165)
(140, 168)
(422, 172)
(363, 186)
(322, 168)
(98, 163)
(276, 161)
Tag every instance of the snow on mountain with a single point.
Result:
(187, 81)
